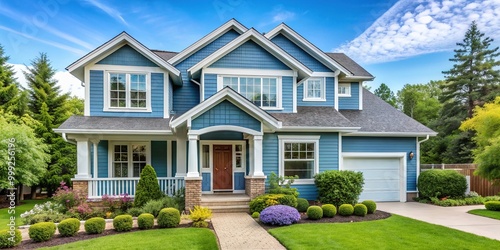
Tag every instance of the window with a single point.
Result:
(262, 91)
(128, 91)
(205, 156)
(344, 89)
(299, 157)
(238, 151)
(314, 89)
(128, 159)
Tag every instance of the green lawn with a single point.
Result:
(396, 232)
(25, 206)
(486, 213)
(173, 238)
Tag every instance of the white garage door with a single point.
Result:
(382, 177)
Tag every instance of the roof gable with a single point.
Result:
(127, 56)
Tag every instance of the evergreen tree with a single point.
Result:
(11, 99)
(147, 188)
(385, 93)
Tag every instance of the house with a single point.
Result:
(228, 110)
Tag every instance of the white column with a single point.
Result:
(181, 154)
(83, 159)
(193, 156)
(257, 156)
(95, 143)
(251, 156)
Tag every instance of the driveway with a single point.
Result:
(452, 217)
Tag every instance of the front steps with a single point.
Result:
(226, 203)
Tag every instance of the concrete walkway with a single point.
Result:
(452, 217)
(241, 231)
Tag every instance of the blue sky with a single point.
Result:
(399, 42)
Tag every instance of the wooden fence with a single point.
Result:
(477, 184)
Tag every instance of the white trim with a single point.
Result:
(279, 106)
(336, 92)
(224, 128)
(111, 151)
(166, 97)
(294, 94)
(119, 68)
(169, 158)
(298, 139)
(418, 157)
(321, 129)
(202, 85)
(231, 24)
(393, 134)
(322, 80)
(359, 78)
(120, 137)
(106, 102)
(325, 74)
(341, 159)
(361, 95)
(114, 131)
(86, 73)
(251, 72)
(348, 87)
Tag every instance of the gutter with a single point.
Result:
(66, 139)
(418, 157)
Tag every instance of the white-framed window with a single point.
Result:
(299, 156)
(128, 91)
(262, 91)
(128, 158)
(344, 89)
(314, 89)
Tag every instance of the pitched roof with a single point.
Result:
(165, 55)
(349, 64)
(378, 116)
(86, 124)
(313, 117)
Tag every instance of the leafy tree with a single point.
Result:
(11, 99)
(420, 101)
(385, 93)
(148, 187)
(486, 123)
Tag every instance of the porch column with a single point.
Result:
(251, 155)
(83, 159)
(180, 139)
(193, 156)
(257, 156)
(95, 143)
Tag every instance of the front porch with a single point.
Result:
(118, 186)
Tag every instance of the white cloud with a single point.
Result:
(108, 10)
(413, 28)
(282, 16)
(66, 82)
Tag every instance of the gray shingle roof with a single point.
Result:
(379, 116)
(165, 55)
(114, 123)
(313, 117)
(349, 64)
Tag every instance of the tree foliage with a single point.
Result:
(420, 101)
(12, 99)
(386, 94)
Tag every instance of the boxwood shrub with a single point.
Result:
(145, 221)
(169, 217)
(360, 210)
(123, 223)
(329, 210)
(279, 215)
(302, 204)
(314, 213)
(135, 211)
(339, 187)
(370, 205)
(42, 231)
(266, 200)
(69, 227)
(255, 215)
(441, 183)
(6, 235)
(492, 205)
(95, 225)
(346, 210)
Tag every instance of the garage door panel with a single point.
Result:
(380, 185)
(381, 196)
(371, 174)
(373, 163)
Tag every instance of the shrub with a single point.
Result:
(346, 210)
(68, 198)
(69, 227)
(135, 211)
(282, 185)
(153, 207)
(360, 210)
(95, 225)
(329, 210)
(260, 202)
(441, 183)
(199, 214)
(302, 204)
(10, 238)
(145, 221)
(492, 205)
(255, 215)
(279, 215)
(42, 231)
(339, 187)
(148, 187)
(314, 213)
(121, 202)
(122, 223)
(371, 206)
(48, 211)
(169, 217)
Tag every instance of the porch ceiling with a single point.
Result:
(110, 125)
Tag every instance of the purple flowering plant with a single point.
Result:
(68, 198)
(122, 202)
(279, 215)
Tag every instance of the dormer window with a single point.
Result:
(314, 89)
(344, 90)
(128, 92)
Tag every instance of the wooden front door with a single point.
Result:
(223, 167)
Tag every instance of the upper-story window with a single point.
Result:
(314, 89)
(262, 91)
(345, 89)
(128, 91)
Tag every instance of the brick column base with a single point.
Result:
(255, 186)
(193, 192)
(81, 186)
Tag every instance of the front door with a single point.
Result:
(223, 167)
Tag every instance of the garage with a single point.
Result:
(384, 175)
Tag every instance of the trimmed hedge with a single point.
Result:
(302, 204)
(329, 210)
(5, 236)
(123, 223)
(42, 231)
(169, 217)
(492, 205)
(148, 187)
(145, 221)
(441, 183)
(314, 213)
(95, 225)
(266, 200)
(346, 210)
(255, 215)
(69, 227)
(339, 187)
(360, 210)
(371, 206)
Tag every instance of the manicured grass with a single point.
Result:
(486, 213)
(173, 238)
(395, 232)
(25, 206)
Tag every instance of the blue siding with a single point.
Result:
(353, 101)
(239, 181)
(206, 181)
(330, 95)
(249, 56)
(388, 144)
(210, 85)
(225, 113)
(174, 158)
(97, 97)
(102, 159)
(307, 191)
(188, 95)
(159, 157)
(299, 54)
(222, 135)
(127, 56)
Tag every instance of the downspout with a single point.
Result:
(418, 157)
(66, 139)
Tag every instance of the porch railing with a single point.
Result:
(117, 186)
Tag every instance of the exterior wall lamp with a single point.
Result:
(411, 155)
